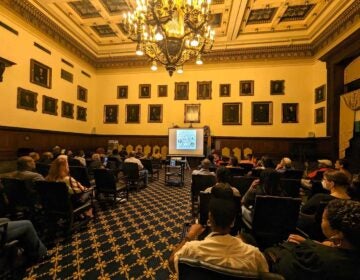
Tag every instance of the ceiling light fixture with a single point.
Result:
(170, 32)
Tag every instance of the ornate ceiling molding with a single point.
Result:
(39, 20)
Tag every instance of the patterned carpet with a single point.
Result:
(131, 241)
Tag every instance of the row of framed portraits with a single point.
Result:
(261, 114)
(27, 100)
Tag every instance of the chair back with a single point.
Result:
(54, 197)
(104, 180)
(200, 183)
(131, 171)
(242, 183)
(293, 174)
(81, 175)
(290, 187)
(193, 269)
(147, 163)
(237, 171)
(113, 163)
(247, 166)
(274, 218)
(42, 168)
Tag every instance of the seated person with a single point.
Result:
(123, 153)
(95, 163)
(233, 162)
(80, 156)
(284, 164)
(248, 159)
(25, 233)
(219, 247)
(35, 156)
(354, 189)
(336, 258)
(139, 153)
(25, 170)
(265, 162)
(204, 170)
(142, 170)
(223, 180)
(156, 154)
(115, 154)
(343, 166)
(46, 158)
(323, 165)
(59, 172)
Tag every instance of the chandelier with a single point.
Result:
(170, 32)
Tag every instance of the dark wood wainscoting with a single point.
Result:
(11, 139)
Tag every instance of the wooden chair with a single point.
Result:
(132, 176)
(290, 187)
(58, 205)
(152, 170)
(242, 183)
(199, 183)
(81, 175)
(194, 269)
(107, 183)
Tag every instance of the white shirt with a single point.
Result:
(135, 160)
(224, 250)
(203, 171)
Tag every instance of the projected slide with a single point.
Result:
(185, 139)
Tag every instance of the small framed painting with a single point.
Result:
(247, 88)
(224, 90)
(182, 91)
(320, 115)
(50, 105)
(122, 92)
(40, 74)
(162, 90)
(82, 93)
(145, 91)
(320, 93)
(67, 110)
(290, 112)
(81, 113)
(192, 113)
(111, 113)
(204, 90)
(277, 87)
(261, 113)
(26, 99)
(132, 113)
(231, 113)
(155, 113)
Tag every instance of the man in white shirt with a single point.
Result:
(142, 171)
(219, 247)
(205, 165)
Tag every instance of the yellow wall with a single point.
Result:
(301, 78)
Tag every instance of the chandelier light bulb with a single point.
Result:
(194, 43)
(180, 70)
(139, 51)
(198, 60)
(153, 66)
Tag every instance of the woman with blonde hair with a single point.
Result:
(59, 172)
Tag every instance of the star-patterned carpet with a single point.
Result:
(132, 240)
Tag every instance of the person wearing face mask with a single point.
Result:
(336, 182)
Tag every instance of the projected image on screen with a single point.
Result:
(185, 139)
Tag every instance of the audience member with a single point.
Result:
(115, 154)
(323, 165)
(80, 156)
(59, 172)
(56, 151)
(265, 162)
(336, 183)
(35, 156)
(25, 170)
(248, 159)
(223, 181)
(219, 247)
(354, 189)
(46, 158)
(233, 162)
(156, 154)
(204, 170)
(139, 153)
(123, 153)
(336, 258)
(71, 160)
(25, 233)
(142, 171)
(285, 164)
(343, 166)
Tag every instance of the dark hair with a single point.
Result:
(339, 178)
(115, 152)
(270, 180)
(222, 191)
(222, 211)
(23, 163)
(344, 162)
(234, 161)
(268, 162)
(344, 215)
(211, 158)
(223, 175)
(354, 188)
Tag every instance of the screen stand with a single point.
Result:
(187, 165)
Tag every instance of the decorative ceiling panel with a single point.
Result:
(261, 16)
(84, 9)
(115, 6)
(299, 12)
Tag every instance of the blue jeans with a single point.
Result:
(24, 231)
(144, 172)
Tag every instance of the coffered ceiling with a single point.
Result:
(243, 27)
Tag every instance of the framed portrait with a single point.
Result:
(192, 113)
(26, 99)
(155, 113)
(162, 90)
(320, 115)
(67, 110)
(231, 113)
(277, 87)
(320, 94)
(182, 91)
(132, 113)
(145, 91)
(122, 92)
(81, 113)
(111, 113)
(82, 93)
(290, 113)
(204, 90)
(40, 74)
(224, 90)
(261, 113)
(247, 88)
(50, 105)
